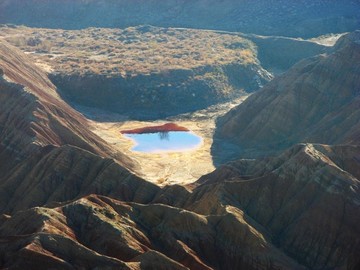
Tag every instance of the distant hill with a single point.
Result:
(153, 72)
(143, 71)
(303, 18)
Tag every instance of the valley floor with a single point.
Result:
(165, 168)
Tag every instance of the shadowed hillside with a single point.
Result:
(66, 204)
(317, 100)
(144, 71)
(151, 72)
(304, 18)
(74, 196)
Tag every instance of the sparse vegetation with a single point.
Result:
(130, 51)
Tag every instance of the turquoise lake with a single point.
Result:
(172, 141)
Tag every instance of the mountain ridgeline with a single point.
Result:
(316, 101)
(303, 18)
(153, 72)
(286, 190)
(84, 208)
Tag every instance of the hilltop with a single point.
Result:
(143, 71)
(156, 72)
(316, 101)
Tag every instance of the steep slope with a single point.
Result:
(277, 54)
(152, 72)
(110, 232)
(67, 201)
(304, 18)
(46, 143)
(306, 199)
(299, 210)
(58, 174)
(49, 156)
(143, 71)
(318, 100)
(34, 115)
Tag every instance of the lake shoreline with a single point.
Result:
(156, 129)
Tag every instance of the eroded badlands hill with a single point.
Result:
(318, 100)
(306, 199)
(155, 72)
(145, 70)
(299, 210)
(68, 202)
(37, 126)
(34, 115)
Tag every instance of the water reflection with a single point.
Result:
(164, 135)
(173, 141)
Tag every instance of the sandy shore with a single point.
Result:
(169, 168)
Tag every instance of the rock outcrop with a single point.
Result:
(317, 100)
(117, 234)
(67, 201)
(299, 210)
(145, 71)
(33, 114)
(306, 201)
(47, 150)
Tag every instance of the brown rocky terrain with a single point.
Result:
(34, 115)
(306, 200)
(151, 72)
(69, 200)
(296, 211)
(43, 138)
(48, 154)
(144, 70)
(318, 101)
(130, 236)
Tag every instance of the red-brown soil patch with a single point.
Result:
(154, 129)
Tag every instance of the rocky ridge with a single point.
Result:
(232, 217)
(67, 201)
(144, 70)
(154, 71)
(235, 216)
(320, 93)
(34, 115)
